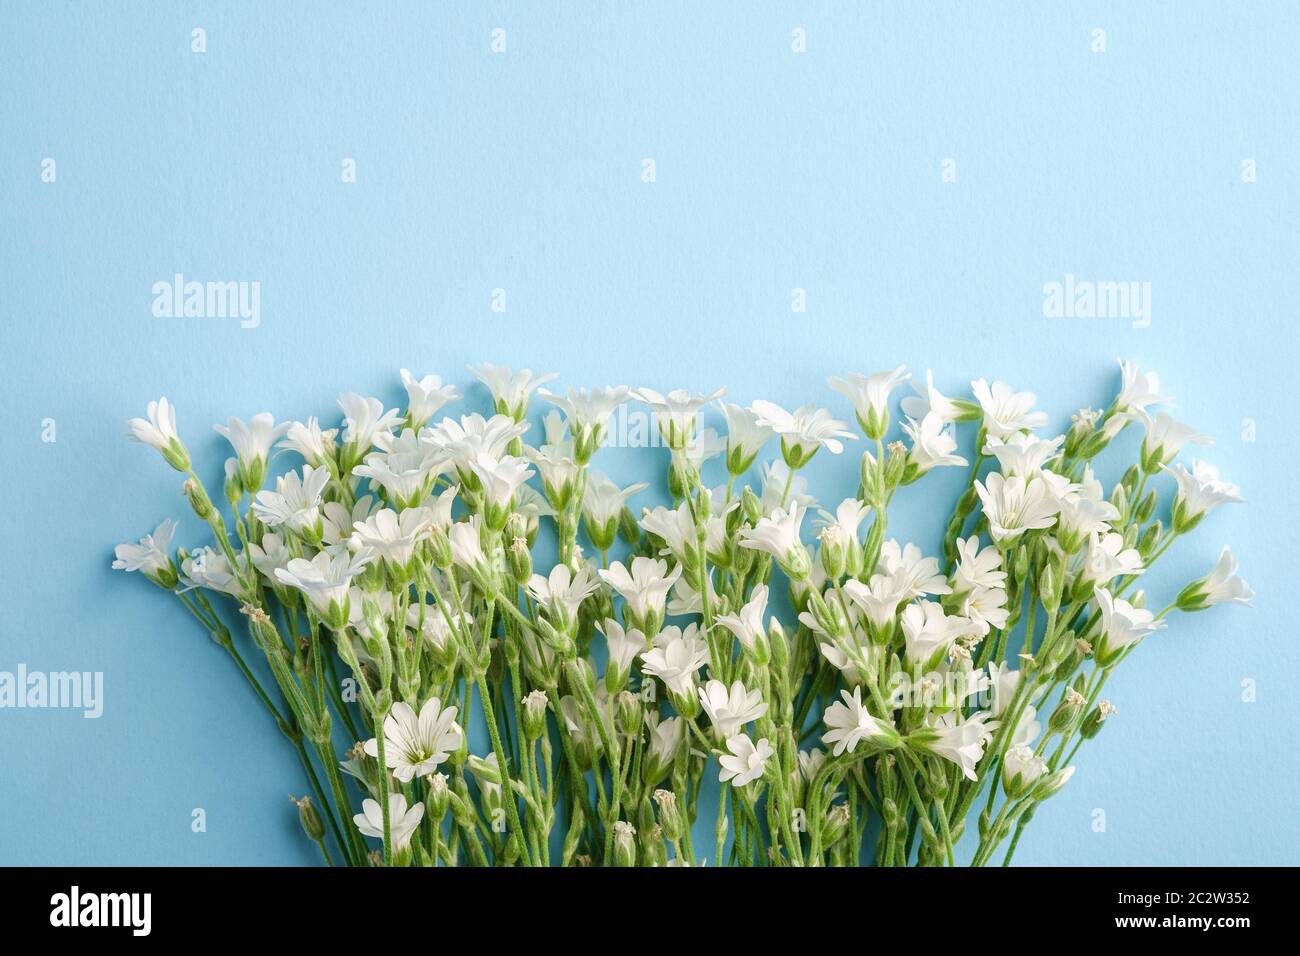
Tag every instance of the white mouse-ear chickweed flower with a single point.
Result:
(802, 431)
(870, 397)
(158, 431)
(151, 556)
(1220, 586)
(411, 577)
(252, 441)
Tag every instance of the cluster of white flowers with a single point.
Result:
(659, 649)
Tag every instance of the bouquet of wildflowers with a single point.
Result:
(393, 587)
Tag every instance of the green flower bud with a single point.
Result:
(520, 561)
(670, 815)
(199, 499)
(534, 714)
(1052, 783)
(629, 713)
(437, 796)
(835, 824)
(1092, 723)
(440, 548)
(833, 551)
(310, 819)
(780, 646)
(1067, 712)
(624, 843)
(627, 526)
(1146, 508)
(1149, 540)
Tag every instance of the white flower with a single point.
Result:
(466, 548)
(272, 553)
(1165, 438)
(1107, 559)
(252, 441)
(338, 521)
(159, 429)
(677, 413)
(402, 822)
(500, 477)
(563, 592)
(392, 536)
(811, 761)
(1220, 586)
(684, 599)
(915, 573)
(558, 469)
(603, 504)
(152, 556)
(850, 723)
(977, 568)
(929, 633)
(464, 441)
(848, 517)
(744, 762)
(645, 588)
(986, 608)
(364, 419)
(325, 578)
(776, 480)
(879, 598)
(1122, 625)
(675, 658)
(1023, 454)
(962, 743)
(676, 526)
(665, 741)
(870, 397)
(1005, 411)
(933, 444)
(731, 709)
(208, 568)
(510, 390)
(778, 535)
(296, 501)
(308, 440)
(802, 431)
(705, 446)
(1200, 491)
(1081, 517)
(436, 628)
(745, 437)
(747, 625)
(929, 400)
(404, 466)
(424, 396)
(1138, 389)
(414, 746)
(624, 645)
(438, 510)
(1021, 768)
(1013, 507)
(588, 413)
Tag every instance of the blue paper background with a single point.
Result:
(522, 171)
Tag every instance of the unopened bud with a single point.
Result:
(624, 843)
